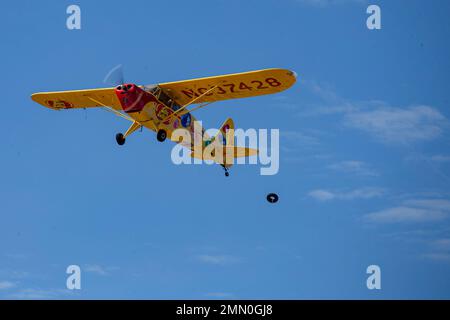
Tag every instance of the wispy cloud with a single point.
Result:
(13, 274)
(435, 204)
(436, 158)
(441, 244)
(385, 123)
(322, 195)
(440, 158)
(417, 235)
(405, 214)
(4, 285)
(353, 167)
(440, 250)
(399, 125)
(298, 138)
(361, 193)
(421, 210)
(437, 256)
(217, 259)
(97, 269)
(40, 294)
(332, 103)
(438, 247)
(294, 142)
(431, 240)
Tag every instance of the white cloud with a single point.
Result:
(399, 125)
(298, 137)
(437, 158)
(354, 167)
(293, 143)
(405, 214)
(361, 193)
(440, 250)
(389, 124)
(321, 195)
(332, 103)
(95, 268)
(436, 204)
(36, 294)
(440, 158)
(217, 259)
(442, 244)
(4, 285)
(441, 257)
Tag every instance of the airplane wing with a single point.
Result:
(78, 99)
(231, 86)
(210, 89)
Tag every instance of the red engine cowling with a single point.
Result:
(132, 98)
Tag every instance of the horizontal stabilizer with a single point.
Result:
(231, 151)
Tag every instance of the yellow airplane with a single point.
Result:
(163, 107)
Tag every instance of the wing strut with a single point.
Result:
(120, 114)
(189, 103)
(134, 126)
(201, 106)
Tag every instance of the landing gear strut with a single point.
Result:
(120, 139)
(161, 135)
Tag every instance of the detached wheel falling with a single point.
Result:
(272, 198)
(161, 135)
(120, 139)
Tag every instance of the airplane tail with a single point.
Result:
(224, 128)
(229, 150)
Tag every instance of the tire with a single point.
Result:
(272, 197)
(120, 139)
(161, 135)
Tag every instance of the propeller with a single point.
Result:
(115, 76)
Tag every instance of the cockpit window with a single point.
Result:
(162, 96)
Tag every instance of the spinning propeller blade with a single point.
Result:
(115, 76)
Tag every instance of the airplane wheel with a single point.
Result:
(272, 197)
(227, 174)
(161, 135)
(120, 139)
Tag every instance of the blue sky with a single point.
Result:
(364, 175)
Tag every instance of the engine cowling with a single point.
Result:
(132, 98)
